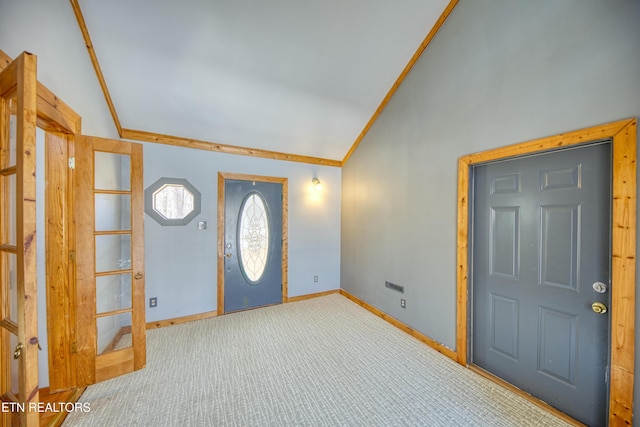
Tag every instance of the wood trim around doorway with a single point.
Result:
(60, 265)
(623, 249)
(61, 125)
(222, 177)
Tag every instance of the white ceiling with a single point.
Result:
(295, 76)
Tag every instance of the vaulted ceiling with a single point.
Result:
(293, 76)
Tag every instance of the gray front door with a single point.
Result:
(541, 240)
(252, 244)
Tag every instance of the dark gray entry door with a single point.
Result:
(541, 227)
(253, 244)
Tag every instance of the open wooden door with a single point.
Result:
(18, 292)
(110, 334)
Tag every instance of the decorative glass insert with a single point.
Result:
(172, 201)
(253, 237)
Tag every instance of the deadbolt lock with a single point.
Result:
(599, 307)
(599, 287)
(228, 254)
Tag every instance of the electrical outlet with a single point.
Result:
(153, 302)
(315, 279)
(403, 303)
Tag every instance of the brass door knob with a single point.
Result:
(599, 307)
(17, 352)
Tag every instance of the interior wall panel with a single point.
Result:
(558, 349)
(504, 235)
(505, 326)
(181, 261)
(497, 73)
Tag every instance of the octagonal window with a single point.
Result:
(172, 201)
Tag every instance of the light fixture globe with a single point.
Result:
(317, 185)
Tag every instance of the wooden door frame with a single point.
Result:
(623, 246)
(222, 177)
(59, 254)
(61, 124)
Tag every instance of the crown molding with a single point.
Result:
(138, 135)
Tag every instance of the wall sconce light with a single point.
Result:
(316, 184)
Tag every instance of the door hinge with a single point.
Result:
(72, 162)
(72, 256)
(74, 347)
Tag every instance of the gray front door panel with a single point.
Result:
(247, 284)
(541, 227)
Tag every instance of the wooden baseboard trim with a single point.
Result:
(208, 315)
(55, 419)
(116, 339)
(311, 296)
(398, 324)
(178, 320)
(545, 406)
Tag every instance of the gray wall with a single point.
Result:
(48, 29)
(497, 73)
(181, 261)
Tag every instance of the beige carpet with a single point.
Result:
(321, 362)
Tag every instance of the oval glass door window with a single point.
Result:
(253, 237)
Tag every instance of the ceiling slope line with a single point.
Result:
(436, 27)
(138, 135)
(144, 136)
(96, 65)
